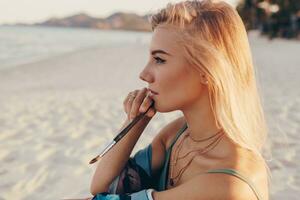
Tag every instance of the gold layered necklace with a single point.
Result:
(174, 179)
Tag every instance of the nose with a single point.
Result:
(142, 76)
(146, 76)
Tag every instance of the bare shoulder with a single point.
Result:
(171, 129)
(160, 142)
(213, 186)
(208, 186)
(253, 168)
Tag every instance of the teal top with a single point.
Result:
(162, 184)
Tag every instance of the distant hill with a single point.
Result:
(119, 20)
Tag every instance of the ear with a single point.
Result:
(203, 79)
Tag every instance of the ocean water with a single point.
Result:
(26, 44)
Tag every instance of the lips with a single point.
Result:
(153, 92)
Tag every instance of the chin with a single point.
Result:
(164, 107)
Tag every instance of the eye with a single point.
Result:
(159, 60)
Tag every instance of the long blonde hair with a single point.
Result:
(215, 42)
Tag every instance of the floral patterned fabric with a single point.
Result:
(107, 196)
(141, 195)
(136, 175)
(135, 180)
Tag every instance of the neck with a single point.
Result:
(202, 124)
(200, 119)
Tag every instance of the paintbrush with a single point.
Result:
(121, 134)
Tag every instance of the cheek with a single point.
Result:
(177, 88)
(171, 81)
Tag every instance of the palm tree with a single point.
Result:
(250, 13)
(275, 18)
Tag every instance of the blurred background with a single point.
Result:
(66, 67)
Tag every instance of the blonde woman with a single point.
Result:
(200, 63)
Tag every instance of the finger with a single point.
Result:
(126, 104)
(137, 102)
(146, 103)
(151, 112)
(129, 101)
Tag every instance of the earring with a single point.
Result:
(204, 78)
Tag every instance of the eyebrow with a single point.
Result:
(159, 51)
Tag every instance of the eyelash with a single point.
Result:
(159, 59)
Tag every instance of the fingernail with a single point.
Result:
(142, 109)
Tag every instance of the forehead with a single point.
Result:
(164, 39)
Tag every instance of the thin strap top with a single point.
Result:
(235, 173)
(162, 185)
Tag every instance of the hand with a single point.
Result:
(138, 101)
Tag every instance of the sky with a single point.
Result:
(31, 11)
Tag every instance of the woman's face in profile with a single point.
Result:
(169, 74)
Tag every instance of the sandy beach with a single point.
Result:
(56, 114)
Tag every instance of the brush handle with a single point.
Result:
(121, 134)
